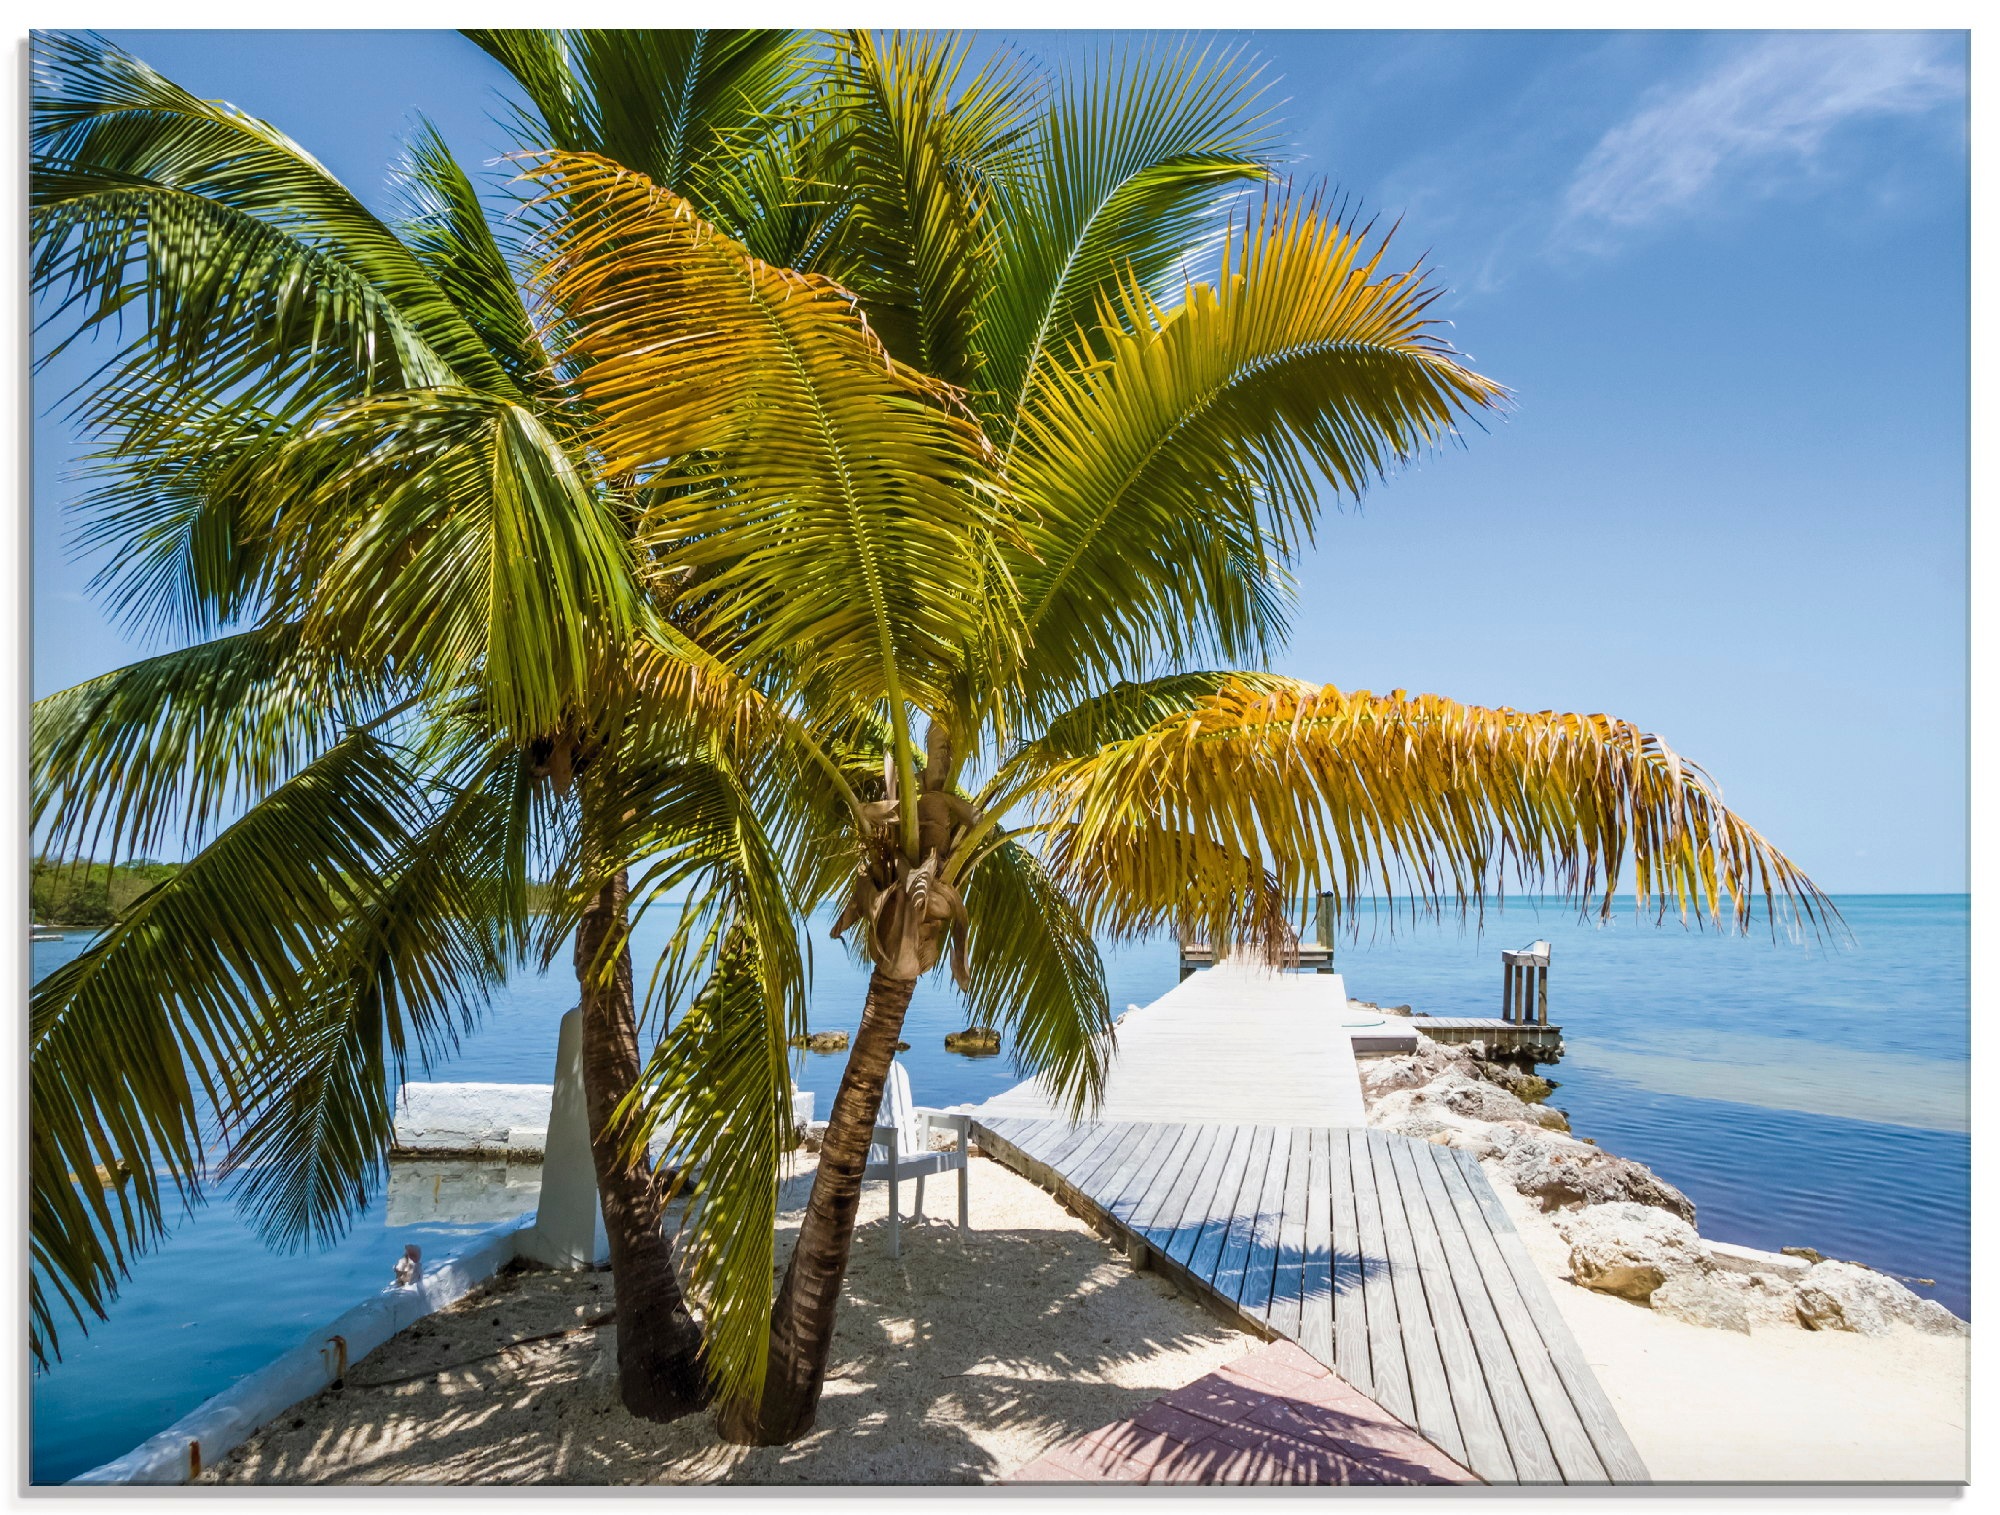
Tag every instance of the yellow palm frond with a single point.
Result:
(1279, 791)
(831, 508)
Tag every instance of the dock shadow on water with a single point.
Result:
(461, 1191)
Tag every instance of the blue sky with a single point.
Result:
(1725, 275)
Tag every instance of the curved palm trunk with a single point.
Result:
(802, 1319)
(660, 1375)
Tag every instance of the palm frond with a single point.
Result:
(1175, 479)
(249, 235)
(449, 533)
(719, 1083)
(168, 745)
(133, 1043)
(1036, 974)
(447, 228)
(1137, 157)
(915, 148)
(827, 503)
(1122, 712)
(404, 978)
(165, 509)
(672, 104)
(1278, 792)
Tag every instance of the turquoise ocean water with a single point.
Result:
(1802, 1094)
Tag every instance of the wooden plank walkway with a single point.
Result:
(1232, 1041)
(1389, 1260)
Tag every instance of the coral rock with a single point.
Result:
(1702, 1299)
(1560, 1173)
(1839, 1296)
(1630, 1249)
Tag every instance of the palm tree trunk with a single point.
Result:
(802, 1319)
(660, 1375)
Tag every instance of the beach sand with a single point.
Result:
(953, 1364)
(963, 1360)
(1782, 1404)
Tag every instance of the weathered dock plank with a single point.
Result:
(1429, 1392)
(1527, 1443)
(1390, 1260)
(1477, 1418)
(1621, 1460)
(1316, 1302)
(1289, 1264)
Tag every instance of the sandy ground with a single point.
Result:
(967, 1358)
(954, 1364)
(1781, 1404)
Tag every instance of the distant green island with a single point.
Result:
(64, 892)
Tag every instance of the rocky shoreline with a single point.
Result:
(1630, 1232)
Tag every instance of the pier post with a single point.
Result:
(1524, 985)
(1323, 927)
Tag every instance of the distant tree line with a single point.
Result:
(90, 893)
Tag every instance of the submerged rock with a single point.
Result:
(1839, 1296)
(977, 1040)
(821, 1041)
(1630, 1249)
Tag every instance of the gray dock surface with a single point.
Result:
(1390, 1260)
(1233, 1041)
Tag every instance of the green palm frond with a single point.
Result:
(719, 1083)
(716, 844)
(672, 104)
(131, 1042)
(1037, 975)
(449, 533)
(160, 750)
(403, 979)
(127, 165)
(829, 504)
(164, 510)
(914, 148)
(1134, 163)
(447, 228)
(1285, 790)
(1176, 478)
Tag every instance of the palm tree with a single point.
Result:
(868, 509)
(338, 456)
(1146, 451)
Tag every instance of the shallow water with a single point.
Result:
(1800, 1094)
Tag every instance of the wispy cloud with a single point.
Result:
(1753, 121)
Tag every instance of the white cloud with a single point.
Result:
(1764, 112)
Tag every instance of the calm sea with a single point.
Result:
(1802, 1094)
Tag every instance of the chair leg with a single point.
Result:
(964, 1210)
(917, 1210)
(895, 1240)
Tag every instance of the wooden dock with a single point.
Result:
(1389, 1260)
(1502, 1038)
(1236, 1040)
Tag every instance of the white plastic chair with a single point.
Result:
(902, 1149)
